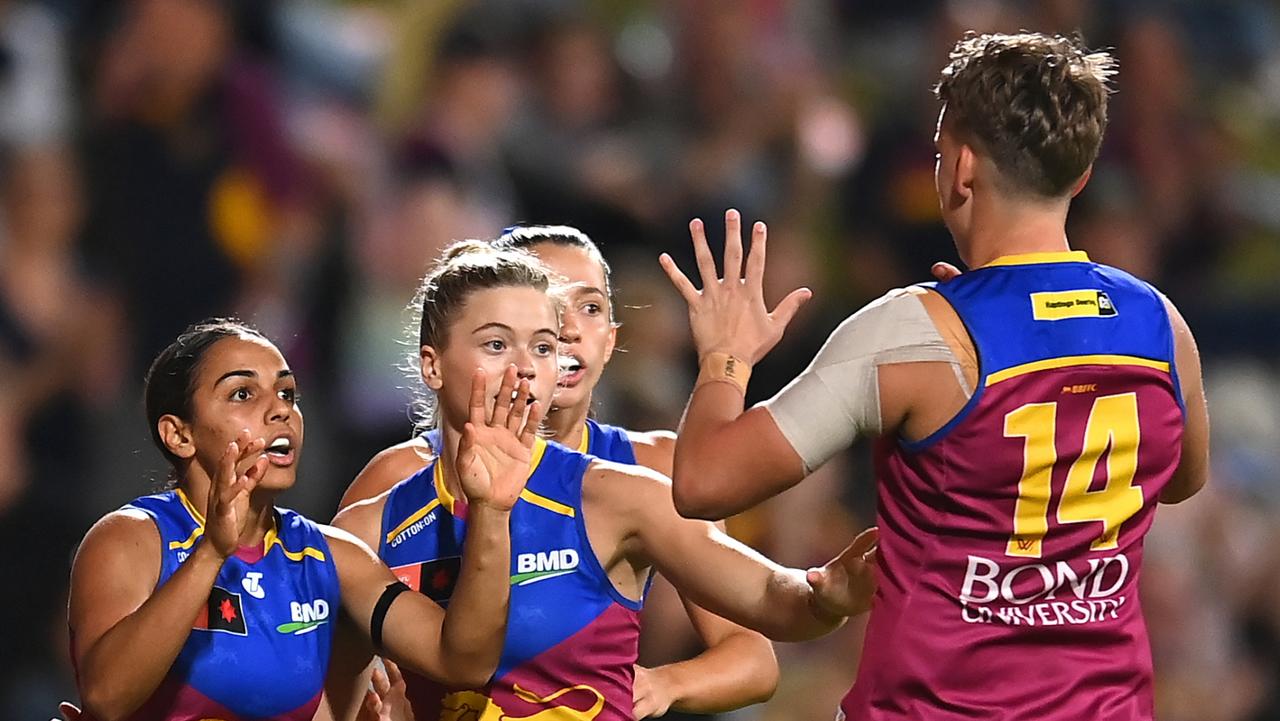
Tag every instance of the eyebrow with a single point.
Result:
(509, 329)
(587, 289)
(246, 373)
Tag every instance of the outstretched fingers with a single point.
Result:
(732, 245)
(516, 418)
(532, 423)
(789, 306)
(755, 258)
(682, 283)
(502, 405)
(702, 251)
(476, 409)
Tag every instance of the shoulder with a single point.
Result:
(387, 468)
(127, 536)
(654, 449)
(362, 519)
(622, 486)
(347, 547)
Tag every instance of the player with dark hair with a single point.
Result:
(208, 601)
(587, 531)
(1032, 412)
(738, 668)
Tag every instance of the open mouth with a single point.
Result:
(281, 452)
(571, 371)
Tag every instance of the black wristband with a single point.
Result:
(380, 612)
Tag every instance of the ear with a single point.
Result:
(1083, 181)
(431, 367)
(611, 342)
(965, 171)
(176, 435)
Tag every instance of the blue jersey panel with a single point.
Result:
(261, 647)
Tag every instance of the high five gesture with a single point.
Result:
(729, 314)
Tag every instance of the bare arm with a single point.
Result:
(386, 469)
(738, 667)
(117, 613)
(727, 460)
(746, 588)
(460, 648)
(1193, 469)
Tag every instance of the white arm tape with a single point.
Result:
(837, 398)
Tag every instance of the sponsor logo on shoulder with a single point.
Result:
(1063, 304)
(414, 530)
(307, 617)
(544, 565)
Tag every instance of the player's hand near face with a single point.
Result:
(847, 583)
(729, 314)
(497, 447)
(241, 467)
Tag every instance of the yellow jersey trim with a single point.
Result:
(585, 443)
(448, 500)
(197, 532)
(1065, 256)
(187, 504)
(1074, 360)
(417, 516)
(547, 503)
(272, 539)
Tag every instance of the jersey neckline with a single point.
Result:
(1064, 256)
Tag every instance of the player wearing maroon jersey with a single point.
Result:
(1032, 412)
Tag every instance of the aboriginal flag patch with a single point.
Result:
(222, 613)
(433, 579)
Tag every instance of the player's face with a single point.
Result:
(586, 334)
(244, 382)
(496, 328)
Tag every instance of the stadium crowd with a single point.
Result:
(297, 163)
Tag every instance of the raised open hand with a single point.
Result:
(239, 470)
(497, 446)
(729, 315)
(846, 585)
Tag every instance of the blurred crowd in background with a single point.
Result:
(298, 163)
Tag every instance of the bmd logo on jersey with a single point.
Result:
(307, 617)
(1063, 304)
(534, 567)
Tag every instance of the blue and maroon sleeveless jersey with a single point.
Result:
(571, 637)
(260, 647)
(1011, 539)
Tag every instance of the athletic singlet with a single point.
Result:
(259, 649)
(571, 637)
(1011, 539)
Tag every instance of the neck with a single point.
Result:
(568, 424)
(1003, 228)
(448, 459)
(261, 509)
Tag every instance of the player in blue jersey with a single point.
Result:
(209, 601)
(589, 532)
(738, 668)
